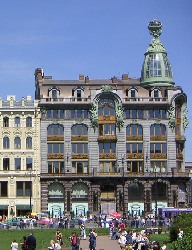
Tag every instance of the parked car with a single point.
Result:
(74, 223)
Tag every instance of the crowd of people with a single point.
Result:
(29, 243)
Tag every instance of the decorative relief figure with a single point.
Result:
(185, 119)
(94, 115)
(106, 88)
(171, 115)
(119, 115)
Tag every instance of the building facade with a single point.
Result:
(113, 144)
(20, 156)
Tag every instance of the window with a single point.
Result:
(3, 189)
(156, 93)
(5, 122)
(80, 167)
(17, 121)
(160, 165)
(135, 166)
(54, 93)
(17, 143)
(28, 142)
(55, 129)
(107, 129)
(17, 163)
(134, 129)
(79, 129)
(106, 107)
(6, 164)
(157, 114)
(24, 188)
(158, 129)
(6, 142)
(29, 163)
(56, 167)
(55, 148)
(107, 147)
(133, 93)
(168, 72)
(158, 148)
(108, 166)
(80, 148)
(134, 147)
(134, 114)
(28, 122)
(153, 66)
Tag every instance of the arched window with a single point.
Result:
(106, 107)
(5, 122)
(158, 129)
(17, 142)
(134, 129)
(6, 142)
(55, 129)
(79, 129)
(29, 142)
(28, 122)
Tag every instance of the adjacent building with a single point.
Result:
(19, 156)
(112, 144)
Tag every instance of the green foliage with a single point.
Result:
(183, 222)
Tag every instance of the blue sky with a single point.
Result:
(98, 38)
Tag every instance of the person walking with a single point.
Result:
(92, 239)
(73, 240)
(14, 245)
(31, 242)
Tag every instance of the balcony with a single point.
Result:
(65, 100)
(134, 138)
(107, 138)
(55, 138)
(146, 100)
(55, 156)
(158, 156)
(158, 138)
(107, 156)
(79, 138)
(79, 156)
(134, 155)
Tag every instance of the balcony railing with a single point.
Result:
(65, 100)
(145, 99)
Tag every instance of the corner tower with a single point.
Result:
(156, 70)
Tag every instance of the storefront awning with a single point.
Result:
(22, 207)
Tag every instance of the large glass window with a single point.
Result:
(28, 122)
(24, 188)
(17, 163)
(161, 166)
(6, 163)
(55, 148)
(168, 72)
(55, 129)
(158, 129)
(134, 129)
(6, 142)
(17, 142)
(80, 148)
(135, 166)
(107, 147)
(56, 167)
(158, 148)
(153, 66)
(157, 114)
(107, 129)
(106, 107)
(80, 167)
(134, 147)
(79, 129)
(29, 142)
(107, 167)
(133, 114)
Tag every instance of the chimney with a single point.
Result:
(114, 79)
(86, 79)
(39, 73)
(81, 77)
(125, 77)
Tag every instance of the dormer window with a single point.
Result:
(54, 93)
(131, 93)
(156, 93)
(78, 93)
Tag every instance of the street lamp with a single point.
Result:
(123, 179)
(30, 194)
(155, 172)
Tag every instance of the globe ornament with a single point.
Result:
(155, 28)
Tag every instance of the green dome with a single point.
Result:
(156, 70)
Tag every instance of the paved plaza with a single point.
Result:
(103, 243)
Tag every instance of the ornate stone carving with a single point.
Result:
(171, 115)
(119, 115)
(185, 119)
(106, 88)
(94, 115)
